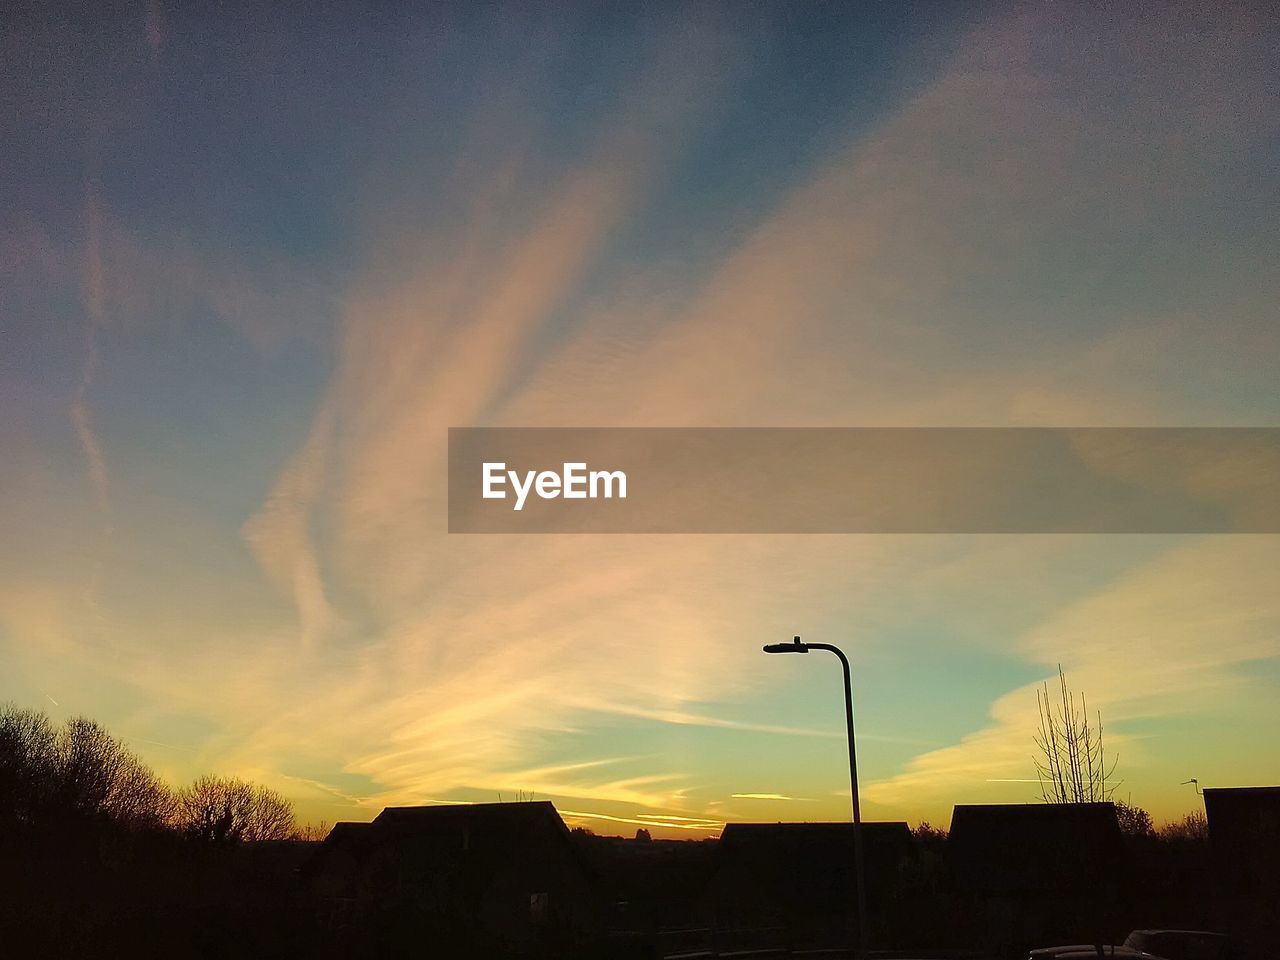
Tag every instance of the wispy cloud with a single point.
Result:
(309, 785)
(95, 282)
(672, 817)
(687, 718)
(670, 823)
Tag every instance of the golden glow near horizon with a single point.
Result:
(247, 297)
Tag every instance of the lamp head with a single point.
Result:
(794, 647)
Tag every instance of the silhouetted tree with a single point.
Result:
(642, 835)
(310, 832)
(98, 776)
(79, 770)
(28, 765)
(928, 833)
(1193, 828)
(1135, 823)
(1071, 764)
(271, 817)
(228, 810)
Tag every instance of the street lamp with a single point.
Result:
(860, 872)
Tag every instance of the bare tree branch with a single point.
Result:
(1070, 762)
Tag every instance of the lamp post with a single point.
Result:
(859, 870)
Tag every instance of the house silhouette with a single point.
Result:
(1244, 853)
(500, 876)
(797, 880)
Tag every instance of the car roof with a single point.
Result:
(1070, 951)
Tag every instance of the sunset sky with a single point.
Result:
(256, 263)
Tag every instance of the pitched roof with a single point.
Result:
(493, 829)
(345, 831)
(345, 837)
(442, 816)
(1260, 793)
(808, 847)
(883, 842)
(482, 836)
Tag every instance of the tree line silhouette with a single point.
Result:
(77, 775)
(99, 856)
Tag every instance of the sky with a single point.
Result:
(256, 262)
